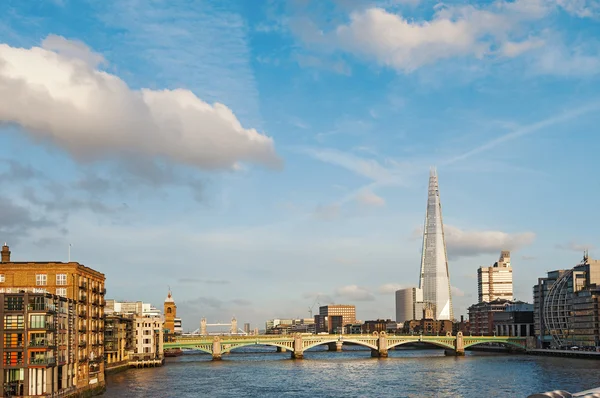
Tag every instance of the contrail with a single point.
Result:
(532, 128)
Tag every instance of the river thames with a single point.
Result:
(353, 373)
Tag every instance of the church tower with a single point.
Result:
(170, 311)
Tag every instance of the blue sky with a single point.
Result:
(254, 155)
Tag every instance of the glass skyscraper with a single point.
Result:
(435, 278)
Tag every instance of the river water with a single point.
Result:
(353, 373)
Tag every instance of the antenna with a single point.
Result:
(69, 252)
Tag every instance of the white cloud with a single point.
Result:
(327, 212)
(354, 292)
(472, 243)
(513, 49)
(389, 288)
(407, 44)
(368, 198)
(57, 95)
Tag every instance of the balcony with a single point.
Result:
(48, 308)
(13, 362)
(82, 343)
(103, 291)
(82, 313)
(83, 285)
(82, 329)
(42, 361)
(83, 299)
(39, 344)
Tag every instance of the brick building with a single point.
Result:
(76, 282)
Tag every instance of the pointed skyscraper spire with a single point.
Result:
(435, 278)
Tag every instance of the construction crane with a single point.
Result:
(310, 309)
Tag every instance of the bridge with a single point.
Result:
(379, 343)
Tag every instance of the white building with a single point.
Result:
(496, 281)
(149, 338)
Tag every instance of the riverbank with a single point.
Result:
(565, 353)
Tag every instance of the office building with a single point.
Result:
(78, 283)
(515, 320)
(119, 341)
(435, 277)
(496, 282)
(566, 307)
(347, 312)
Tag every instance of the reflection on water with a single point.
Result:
(261, 372)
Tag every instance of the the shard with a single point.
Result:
(435, 278)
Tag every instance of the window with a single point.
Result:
(147, 341)
(13, 322)
(61, 279)
(37, 321)
(61, 291)
(1, 278)
(40, 279)
(13, 303)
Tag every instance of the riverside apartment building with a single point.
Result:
(70, 287)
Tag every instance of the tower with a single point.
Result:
(5, 254)
(435, 278)
(170, 311)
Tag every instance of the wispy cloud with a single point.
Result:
(526, 130)
(574, 246)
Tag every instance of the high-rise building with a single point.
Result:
(76, 282)
(435, 278)
(496, 282)
(409, 304)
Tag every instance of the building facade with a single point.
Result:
(38, 344)
(515, 320)
(149, 338)
(566, 307)
(170, 312)
(119, 340)
(346, 311)
(481, 315)
(496, 282)
(435, 277)
(75, 282)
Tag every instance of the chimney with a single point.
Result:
(5, 254)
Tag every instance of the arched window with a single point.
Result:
(169, 310)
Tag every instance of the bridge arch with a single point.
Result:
(254, 343)
(432, 342)
(345, 341)
(190, 346)
(508, 343)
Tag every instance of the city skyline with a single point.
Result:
(254, 170)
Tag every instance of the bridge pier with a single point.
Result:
(459, 345)
(298, 352)
(335, 346)
(281, 349)
(216, 351)
(382, 350)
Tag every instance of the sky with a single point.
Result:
(260, 158)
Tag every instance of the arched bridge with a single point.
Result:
(379, 343)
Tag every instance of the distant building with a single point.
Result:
(515, 320)
(409, 304)
(178, 326)
(38, 334)
(379, 325)
(149, 339)
(247, 328)
(346, 311)
(119, 340)
(288, 326)
(496, 282)
(482, 315)
(83, 285)
(170, 312)
(566, 306)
